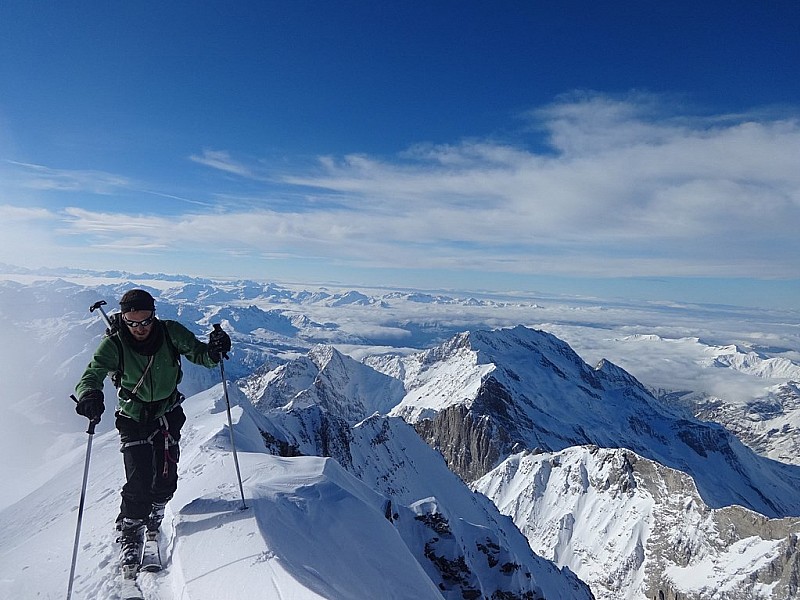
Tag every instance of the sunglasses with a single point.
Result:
(142, 323)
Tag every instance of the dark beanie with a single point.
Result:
(136, 300)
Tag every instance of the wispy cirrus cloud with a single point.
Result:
(41, 177)
(221, 160)
(20, 179)
(20, 214)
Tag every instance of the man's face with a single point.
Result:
(139, 323)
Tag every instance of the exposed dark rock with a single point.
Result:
(474, 440)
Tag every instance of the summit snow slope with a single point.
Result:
(310, 531)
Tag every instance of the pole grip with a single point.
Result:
(218, 327)
(92, 423)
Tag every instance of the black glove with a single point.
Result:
(91, 405)
(219, 344)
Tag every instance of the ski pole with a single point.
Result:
(92, 423)
(81, 504)
(230, 422)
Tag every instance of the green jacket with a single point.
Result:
(157, 393)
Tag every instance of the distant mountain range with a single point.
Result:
(608, 478)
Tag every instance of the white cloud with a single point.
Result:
(40, 177)
(623, 182)
(625, 189)
(222, 161)
(20, 214)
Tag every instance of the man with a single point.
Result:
(142, 353)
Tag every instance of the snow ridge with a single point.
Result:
(311, 529)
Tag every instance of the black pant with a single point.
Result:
(151, 461)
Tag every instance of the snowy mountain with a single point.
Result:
(310, 528)
(628, 525)
(328, 379)
(484, 395)
(331, 380)
(633, 528)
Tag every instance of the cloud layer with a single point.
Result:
(615, 187)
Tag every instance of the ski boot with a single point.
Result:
(131, 541)
(156, 516)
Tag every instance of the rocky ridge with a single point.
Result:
(635, 529)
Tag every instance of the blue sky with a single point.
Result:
(639, 149)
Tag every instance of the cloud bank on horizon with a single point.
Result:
(621, 187)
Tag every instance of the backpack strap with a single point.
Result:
(113, 333)
(176, 356)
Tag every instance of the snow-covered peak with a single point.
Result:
(452, 373)
(621, 521)
(614, 375)
(753, 363)
(495, 391)
(327, 378)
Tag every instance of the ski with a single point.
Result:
(151, 556)
(129, 589)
